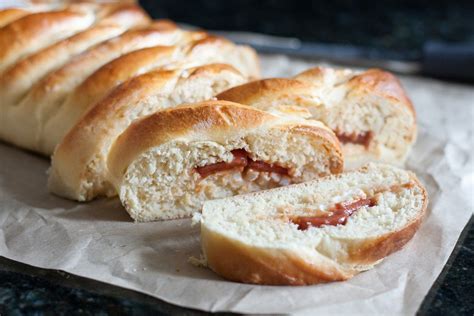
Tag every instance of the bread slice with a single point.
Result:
(78, 166)
(167, 164)
(287, 236)
(369, 111)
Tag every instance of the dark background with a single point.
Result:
(394, 29)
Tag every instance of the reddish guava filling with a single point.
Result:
(363, 138)
(337, 215)
(241, 160)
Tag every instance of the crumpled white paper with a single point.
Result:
(99, 241)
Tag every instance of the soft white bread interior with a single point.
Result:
(369, 111)
(257, 238)
(167, 164)
(78, 166)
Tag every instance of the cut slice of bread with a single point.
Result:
(369, 111)
(291, 235)
(167, 164)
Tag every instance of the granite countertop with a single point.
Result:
(25, 290)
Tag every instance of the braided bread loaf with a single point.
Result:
(369, 111)
(66, 58)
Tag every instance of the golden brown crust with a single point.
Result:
(10, 15)
(372, 81)
(128, 41)
(124, 13)
(20, 77)
(38, 83)
(209, 40)
(238, 262)
(138, 61)
(382, 83)
(275, 88)
(124, 95)
(312, 74)
(211, 69)
(17, 79)
(35, 31)
(119, 70)
(243, 58)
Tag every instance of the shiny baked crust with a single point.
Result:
(58, 60)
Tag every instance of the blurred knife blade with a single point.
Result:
(444, 60)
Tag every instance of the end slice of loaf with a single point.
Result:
(158, 165)
(369, 111)
(258, 237)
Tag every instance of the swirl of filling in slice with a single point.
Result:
(337, 215)
(340, 212)
(363, 138)
(241, 160)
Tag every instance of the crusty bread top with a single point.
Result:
(123, 13)
(273, 88)
(382, 83)
(15, 82)
(118, 70)
(129, 41)
(23, 74)
(372, 81)
(202, 118)
(216, 120)
(38, 30)
(248, 63)
(10, 15)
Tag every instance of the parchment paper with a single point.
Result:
(99, 241)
